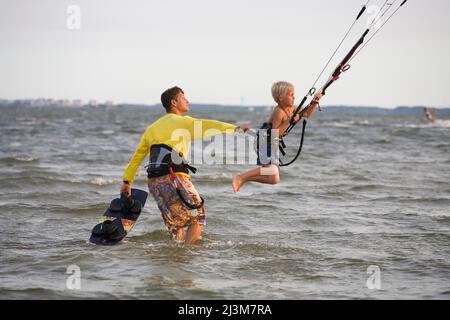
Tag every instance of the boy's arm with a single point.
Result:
(311, 110)
(314, 105)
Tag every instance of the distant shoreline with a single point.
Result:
(209, 107)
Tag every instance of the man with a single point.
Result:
(168, 141)
(429, 115)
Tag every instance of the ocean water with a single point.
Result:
(364, 213)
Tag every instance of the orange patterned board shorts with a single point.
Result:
(174, 212)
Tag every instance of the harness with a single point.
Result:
(263, 140)
(162, 158)
(166, 161)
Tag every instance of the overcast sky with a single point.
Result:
(226, 52)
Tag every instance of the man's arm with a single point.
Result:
(133, 166)
(210, 128)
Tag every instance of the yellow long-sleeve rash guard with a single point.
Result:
(177, 132)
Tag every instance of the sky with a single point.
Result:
(221, 52)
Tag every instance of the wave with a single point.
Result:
(64, 183)
(341, 124)
(29, 178)
(105, 181)
(443, 219)
(20, 158)
(29, 293)
(442, 123)
(334, 193)
(15, 144)
(58, 207)
(287, 193)
(437, 124)
(159, 239)
(349, 124)
(40, 178)
(357, 177)
(383, 141)
(262, 207)
(96, 208)
(220, 177)
(421, 200)
(253, 247)
(413, 125)
(366, 187)
(29, 121)
(153, 235)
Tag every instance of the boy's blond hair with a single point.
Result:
(279, 89)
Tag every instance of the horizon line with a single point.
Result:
(109, 103)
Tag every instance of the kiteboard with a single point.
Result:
(119, 218)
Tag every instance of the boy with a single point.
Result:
(284, 95)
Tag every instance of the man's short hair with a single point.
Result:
(280, 89)
(169, 95)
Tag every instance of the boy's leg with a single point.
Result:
(266, 175)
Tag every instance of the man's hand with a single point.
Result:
(244, 127)
(126, 189)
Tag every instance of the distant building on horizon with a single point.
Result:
(109, 103)
(92, 103)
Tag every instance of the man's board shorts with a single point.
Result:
(174, 212)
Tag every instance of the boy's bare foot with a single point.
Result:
(237, 183)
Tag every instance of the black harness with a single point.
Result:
(266, 139)
(264, 142)
(166, 161)
(163, 157)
